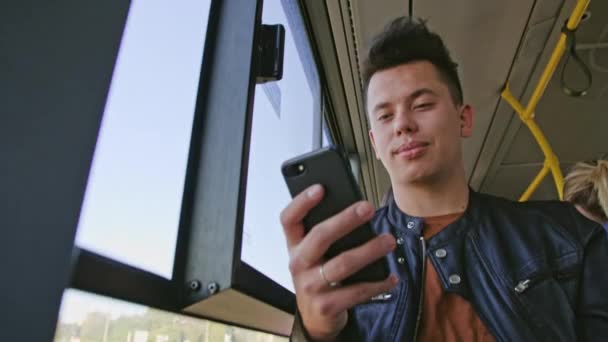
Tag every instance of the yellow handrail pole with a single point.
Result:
(527, 114)
(558, 177)
(577, 14)
(511, 100)
(556, 56)
(535, 183)
(551, 161)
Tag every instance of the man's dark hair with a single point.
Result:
(406, 40)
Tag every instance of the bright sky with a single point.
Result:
(132, 204)
(275, 138)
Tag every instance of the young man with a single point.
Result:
(465, 266)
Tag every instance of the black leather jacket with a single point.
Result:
(534, 271)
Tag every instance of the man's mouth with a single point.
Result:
(411, 150)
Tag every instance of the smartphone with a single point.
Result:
(330, 168)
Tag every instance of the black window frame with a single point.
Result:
(39, 255)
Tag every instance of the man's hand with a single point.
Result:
(323, 308)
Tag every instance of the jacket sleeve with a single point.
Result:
(593, 291)
(299, 334)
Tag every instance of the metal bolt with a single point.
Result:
(213, 287)
(194, 285)
(410, 225)
(401, 260)
(400, 241)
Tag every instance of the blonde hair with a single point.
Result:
(586, 185)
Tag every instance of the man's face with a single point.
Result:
(416, 127)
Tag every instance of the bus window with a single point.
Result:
(286, 122)
(87, 317)
(133, 198)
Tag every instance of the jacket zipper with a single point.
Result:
(423, 246)
(522, 286)
(530, 280)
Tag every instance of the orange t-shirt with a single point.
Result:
(446, 316)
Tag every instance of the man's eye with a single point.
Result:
(425, 105)
(384, 116)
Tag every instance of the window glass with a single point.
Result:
(286, 122)
(85, 317)
(132, 203)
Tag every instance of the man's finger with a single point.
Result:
(351, 261)
(342, 299)
(294, 213)
(321, 236)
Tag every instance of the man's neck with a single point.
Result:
(434, 199)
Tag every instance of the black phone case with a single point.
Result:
(328, 168)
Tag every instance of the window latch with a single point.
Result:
(270, 48)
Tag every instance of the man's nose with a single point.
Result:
(405, 123)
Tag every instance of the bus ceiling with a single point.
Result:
(522, 42)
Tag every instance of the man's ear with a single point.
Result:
(466, 121)
(371, 138)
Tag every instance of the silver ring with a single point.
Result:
(330, 283)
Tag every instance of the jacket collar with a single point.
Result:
(412, 225)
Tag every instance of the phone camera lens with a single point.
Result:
(300, 168)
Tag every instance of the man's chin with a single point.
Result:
(418, 176)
